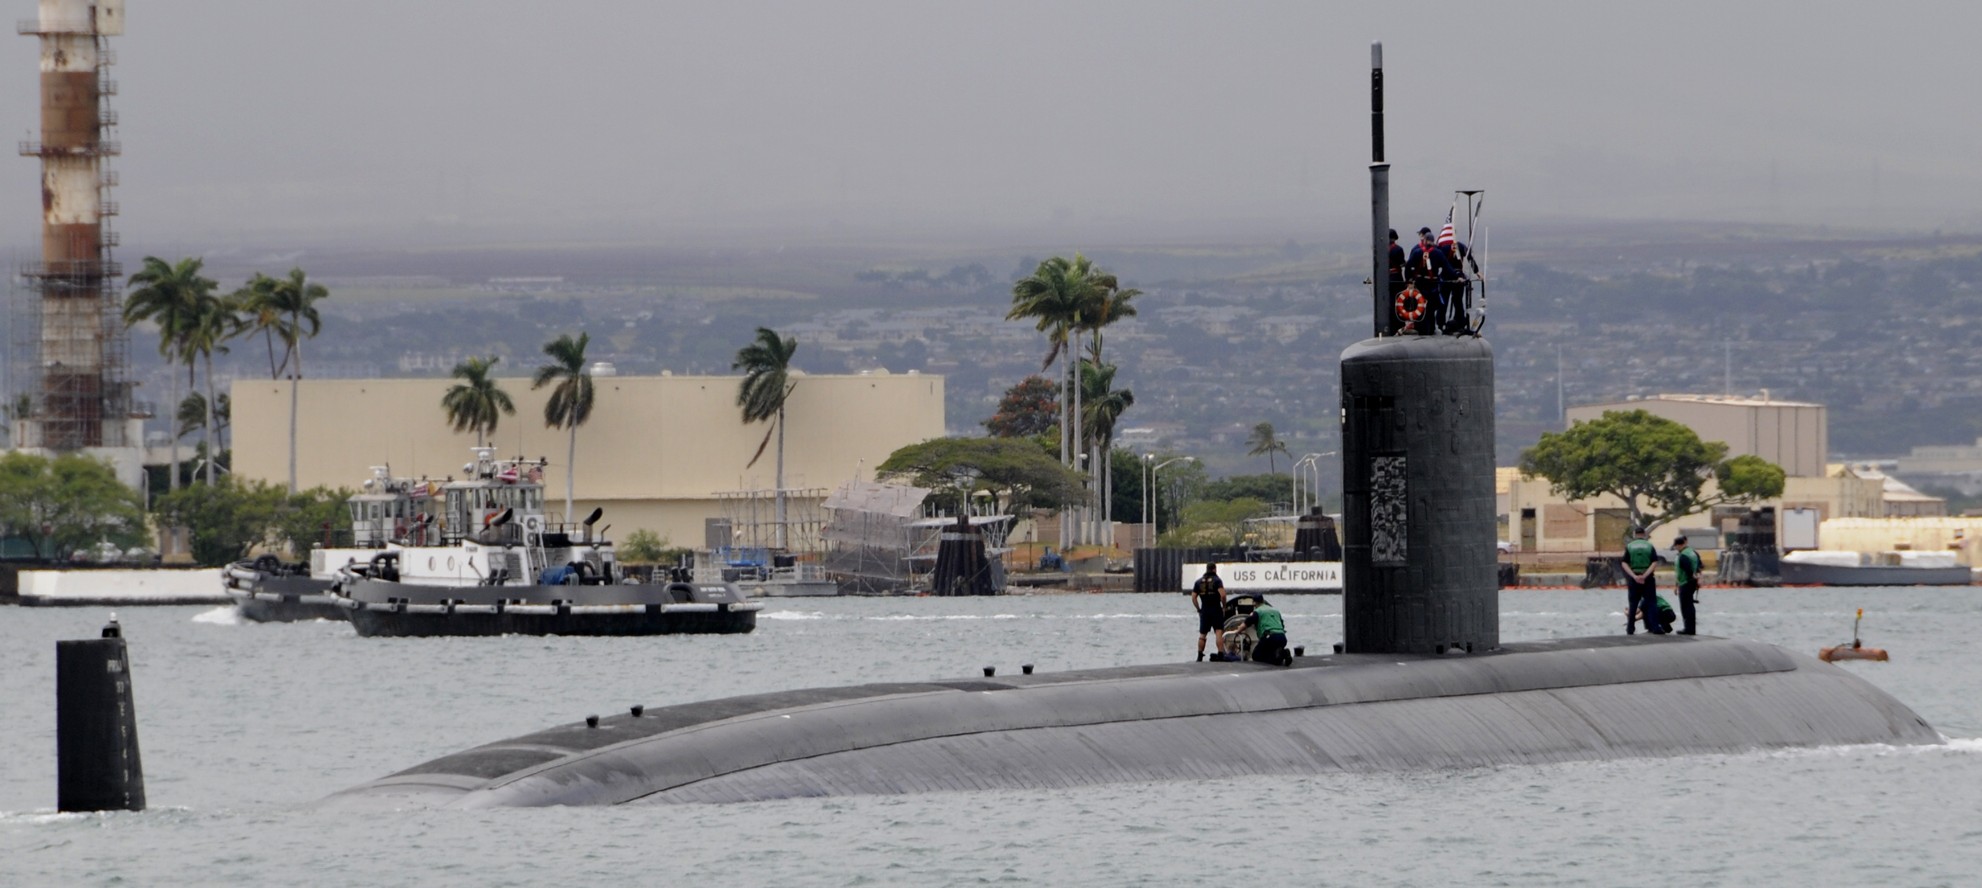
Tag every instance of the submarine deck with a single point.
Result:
(1529, 702)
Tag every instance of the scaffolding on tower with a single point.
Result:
(70, 345)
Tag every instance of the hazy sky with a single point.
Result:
(288, 124)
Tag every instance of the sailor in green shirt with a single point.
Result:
(1686, 573)
(1272, 647)
(1642, 598)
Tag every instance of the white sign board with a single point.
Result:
(1799, 528)
(1272, 576)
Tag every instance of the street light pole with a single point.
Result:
(1312, 461)
(1314, 465)
(1147, 530)
(1159, 468)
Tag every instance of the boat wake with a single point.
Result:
(793, 615)
(225, 615)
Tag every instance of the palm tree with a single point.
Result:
(1064, 296)
(767, 384)
(1264, 441)
(570, 404)
(168, 295)
(1109, 307)
(296, 297)
(476, 402)
(192, 416)
(1053, 297)
(1105, 405)
(1068, 298)
(256, 304)
(206, 330)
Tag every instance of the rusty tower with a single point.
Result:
(69, 339)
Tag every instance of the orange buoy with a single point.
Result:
(1855, 650)
(1852, 651)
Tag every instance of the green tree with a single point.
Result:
(1029, 408)
(1268, 488)
(295, 297)
(1658, 467)
(1064, 298)
(642, 546)
(259, 313)
(476, 402)
(192, 415)
(1215, 523)
(1104, 405)
(767, 384)
(1014, 471)
(308, 517)
(67, 503)
(1181, 482)
(1263, 440)
(170, 296)
(1109, 306)
(570, 403)
(206, 332)
(1056, 297)
(227, 519)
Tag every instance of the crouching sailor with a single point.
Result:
(1272, 647)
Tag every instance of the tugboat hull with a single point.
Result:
(262, 597)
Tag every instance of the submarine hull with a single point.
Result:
(1553, 701)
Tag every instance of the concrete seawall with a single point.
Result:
(114, 586)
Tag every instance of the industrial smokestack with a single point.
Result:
(75, 355)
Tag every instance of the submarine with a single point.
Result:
(1420, 679)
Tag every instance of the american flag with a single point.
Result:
(1445, 236)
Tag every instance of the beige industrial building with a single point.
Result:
(1791, 434)
(656, 454)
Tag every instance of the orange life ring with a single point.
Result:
(1411, 304)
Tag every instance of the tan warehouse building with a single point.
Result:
(1792, 434)
(655, 455)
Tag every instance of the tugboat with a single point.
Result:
(386, 511)
(270, 590)
(498, 566)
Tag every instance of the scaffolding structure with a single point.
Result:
(70, 347)
(870, 535)
(883, 539)
(70, 343)
(750, 519)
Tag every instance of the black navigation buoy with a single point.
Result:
(1027, 669)
(961, 565)
(96, 726)
(591, 721)
(639, 711)
(990, 671)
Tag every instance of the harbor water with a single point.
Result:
(242, 726)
